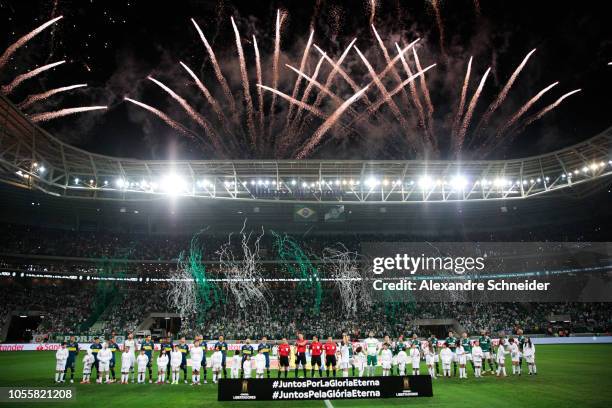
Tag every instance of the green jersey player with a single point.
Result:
(485, 345)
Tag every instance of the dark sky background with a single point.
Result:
(114, 45)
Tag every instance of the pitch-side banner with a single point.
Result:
(270, 389)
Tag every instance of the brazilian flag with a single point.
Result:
(303, 213)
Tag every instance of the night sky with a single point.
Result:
(114, 45)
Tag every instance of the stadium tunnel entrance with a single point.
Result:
(22, 327)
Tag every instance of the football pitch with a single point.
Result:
(568, 375)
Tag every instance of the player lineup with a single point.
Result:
(448, 357)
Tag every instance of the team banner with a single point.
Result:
(335, 213)
(269, 389)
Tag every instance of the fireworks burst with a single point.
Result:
(344, 98)
(31, 100)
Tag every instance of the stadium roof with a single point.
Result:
(32, 158)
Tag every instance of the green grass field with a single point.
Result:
(568, 375)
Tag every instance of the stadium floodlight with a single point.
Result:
(304, 184)
(371, 182)
(337, 182)
(594, 166)
(120, 183)
(425, 182)
(106, 182)
(459, 183)
(173, 184)
(41, 169)
(76, 180)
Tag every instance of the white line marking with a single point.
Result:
(328, 404)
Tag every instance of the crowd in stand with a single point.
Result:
(68, 305)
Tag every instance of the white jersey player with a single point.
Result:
(515, 356)
(372, 346)
(176, 358)
(500, 358)
(131, 343)
(446, 356)
(126, 364)
(402, 360)
(386, 357)
(88, 362)
(415, 357)
(461, 357)
(529, 354)
(260, 365)
(162, 366)
(247, 367)
(236, 363)
(430, 360)
(141, 363)
(216, 361)
(104, 358)
(477, 357)
(61, 357)
(345, 355)
(196, 353)
(360, 360)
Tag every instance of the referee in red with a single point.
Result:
(300, 354)
(284, 349)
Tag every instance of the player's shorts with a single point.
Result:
(283, 361)
(142, 369)
(150, 362)
(300, 358)
(530, 359)
(501, 360)
(385, 365)
(70, 364)
(111, 364)
(217, 367)
(267, 356)
(446, 366)
(330, 361)
(195, 366)
(477, 363)
(104, 365)
(125, 370)
(315, 360)
(86, 371)
(516, 359)
(60, 365)
(486, 355)
(344, 364)
(259, 371)
(462, 359)
(372, 360)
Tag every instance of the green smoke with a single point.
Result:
(299, 266)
